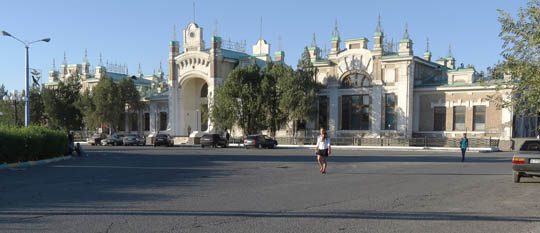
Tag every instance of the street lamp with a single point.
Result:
(27, 75)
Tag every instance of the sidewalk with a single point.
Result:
(32, 163)
(384, 148)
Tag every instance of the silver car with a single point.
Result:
(526, 162)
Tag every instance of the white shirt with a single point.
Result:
(323, 144)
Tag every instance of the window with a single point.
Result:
(355, 112)
(146, 121)
(390, 112)
(459, 118)
(439, 118)
(323, 112)
(479, 118)
(162, 121)
(355, 80)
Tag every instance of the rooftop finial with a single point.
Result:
(216, 28)
(65, 58)
(450, 50)
(174, 37)
(260, 29)
(85, 56)
(53, 65)
(427, 44)
(314, 41)
(280, 43)
(406, 34)
(193, 11)
(139, 71)
(100, 59)
(160, 67)
(379, 25)
(335, 33)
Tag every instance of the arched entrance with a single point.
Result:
(195, 105)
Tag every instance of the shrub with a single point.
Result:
(32, 143)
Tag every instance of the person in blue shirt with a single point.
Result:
(464, 145)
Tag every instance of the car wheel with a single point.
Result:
(516, 177)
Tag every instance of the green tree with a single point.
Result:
(299, 93)
(239, 101)
(88, 109)
(60, 105)
(37, 107)
(275, 118)
(109, 106)
(521, 53)
(129, 95)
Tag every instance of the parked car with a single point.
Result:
(133, 140)
(163, 140)
(259, 141)
(213, 140)
(115, 140)
(526, 162)
(95, 139)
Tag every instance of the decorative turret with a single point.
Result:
(64, 67)
(314, 50)
(451, 61)
(336, 40)
(85, 66)
(160, 73)
(193, 38)
(405, 44)
(174, 50)
(378, 38)
(427, 54)
(261, 49)
(53, 74)
(279, 55)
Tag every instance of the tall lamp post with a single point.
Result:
(197, 111)
(27, 75)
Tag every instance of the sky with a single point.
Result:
(138, 32)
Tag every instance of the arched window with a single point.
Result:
(355, 80)
(204, 91)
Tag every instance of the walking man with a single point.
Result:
(464, 145)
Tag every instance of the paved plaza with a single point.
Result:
(145, 189)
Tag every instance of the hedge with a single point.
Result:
(30, 144)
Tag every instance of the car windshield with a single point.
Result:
(252, 137)
(161, 136)
(207, 136)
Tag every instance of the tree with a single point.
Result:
(275, 117)
(88, 109)
(299, 93)
(60, 105)
(37, 108)
(109, 106)
(239, 101)
(521, 53)
(129, 95)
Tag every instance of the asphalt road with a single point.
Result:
(142, 189)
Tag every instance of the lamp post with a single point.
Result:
(27, 75)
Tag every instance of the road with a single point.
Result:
(142, 189)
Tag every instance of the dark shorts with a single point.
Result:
(323, 153)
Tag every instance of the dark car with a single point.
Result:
(526, 162)
(213, 140)
(163, 140)
(115, 140)
(95, 139)
(259, 141)
(133, 140)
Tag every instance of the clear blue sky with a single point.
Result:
(138, 32)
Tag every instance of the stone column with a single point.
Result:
(333, 118)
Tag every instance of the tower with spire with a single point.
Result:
(427, 54)
(406, 44)
(450, 60)
(173, 52)
(85, 66)
(378, 38)
(336, 40)
(314, 50)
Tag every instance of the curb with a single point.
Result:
(386, 148)
(33, 163)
